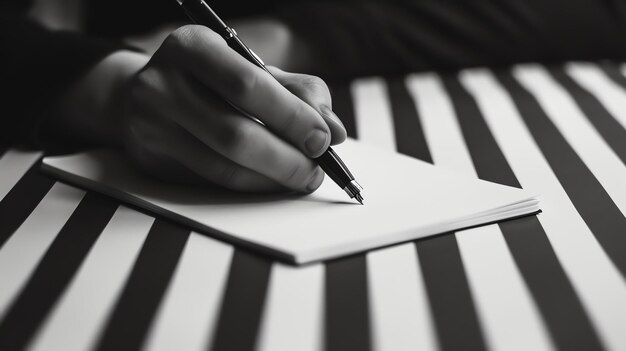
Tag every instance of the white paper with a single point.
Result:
(405, 199)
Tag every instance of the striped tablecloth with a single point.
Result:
(79, 270)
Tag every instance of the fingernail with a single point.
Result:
(327, 112)
(316, 142)
(316, 181)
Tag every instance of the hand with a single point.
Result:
(183, 119)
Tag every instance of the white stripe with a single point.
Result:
(596, 280)
(441, 130)
(503, 302)
(293, 316)
(13, 165)
(577, 130)
(77, 319)
(401, 319)
(400, 314)
(374, 121)
(24, 249)
(611, 95)
(186, 318)
(512, 319)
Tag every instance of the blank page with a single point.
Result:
(405, 199)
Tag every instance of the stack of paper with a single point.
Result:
(405, 199)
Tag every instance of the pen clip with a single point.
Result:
(238, 45)
(256, 56)
(232, 34)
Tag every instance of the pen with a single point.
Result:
(201, 13)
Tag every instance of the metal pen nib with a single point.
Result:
(359, 198)
(353, 189)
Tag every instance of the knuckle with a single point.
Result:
(289, 121)
(236, 140)
(295, 175)
(314, 87)
(292, 175)
(314, 82)
(242, 85)
(144, 89)
(146, 80)
(189, 36)
(311, 89)
(181, 37)
(207, 35)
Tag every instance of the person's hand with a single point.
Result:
(180, 122)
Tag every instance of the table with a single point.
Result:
(79, 270)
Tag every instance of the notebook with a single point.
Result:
(405, 199)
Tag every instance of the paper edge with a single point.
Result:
(283, 254)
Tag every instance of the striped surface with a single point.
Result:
(80, 271)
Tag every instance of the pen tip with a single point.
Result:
(359, 198)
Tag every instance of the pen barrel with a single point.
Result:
(236, 44)
(334, 167)
(201, 13)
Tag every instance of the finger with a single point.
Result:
(161, 167)
(156, 142)
(246, 142)
(314, 92)
(180, 147)
(236, 137)
(207, 57)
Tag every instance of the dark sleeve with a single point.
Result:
(36, 67)
(355, 38)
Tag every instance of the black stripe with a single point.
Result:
(344, 108)
(613, 71)
(448, 291)
(409, 133)
(128, 324)
(55, 271)
(244, 297)
(450, 300)
(21, 200)
(554, 294)
(347, 308)
(590, 199)
(487, 157)
(610, 129)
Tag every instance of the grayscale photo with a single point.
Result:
(330, 175)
